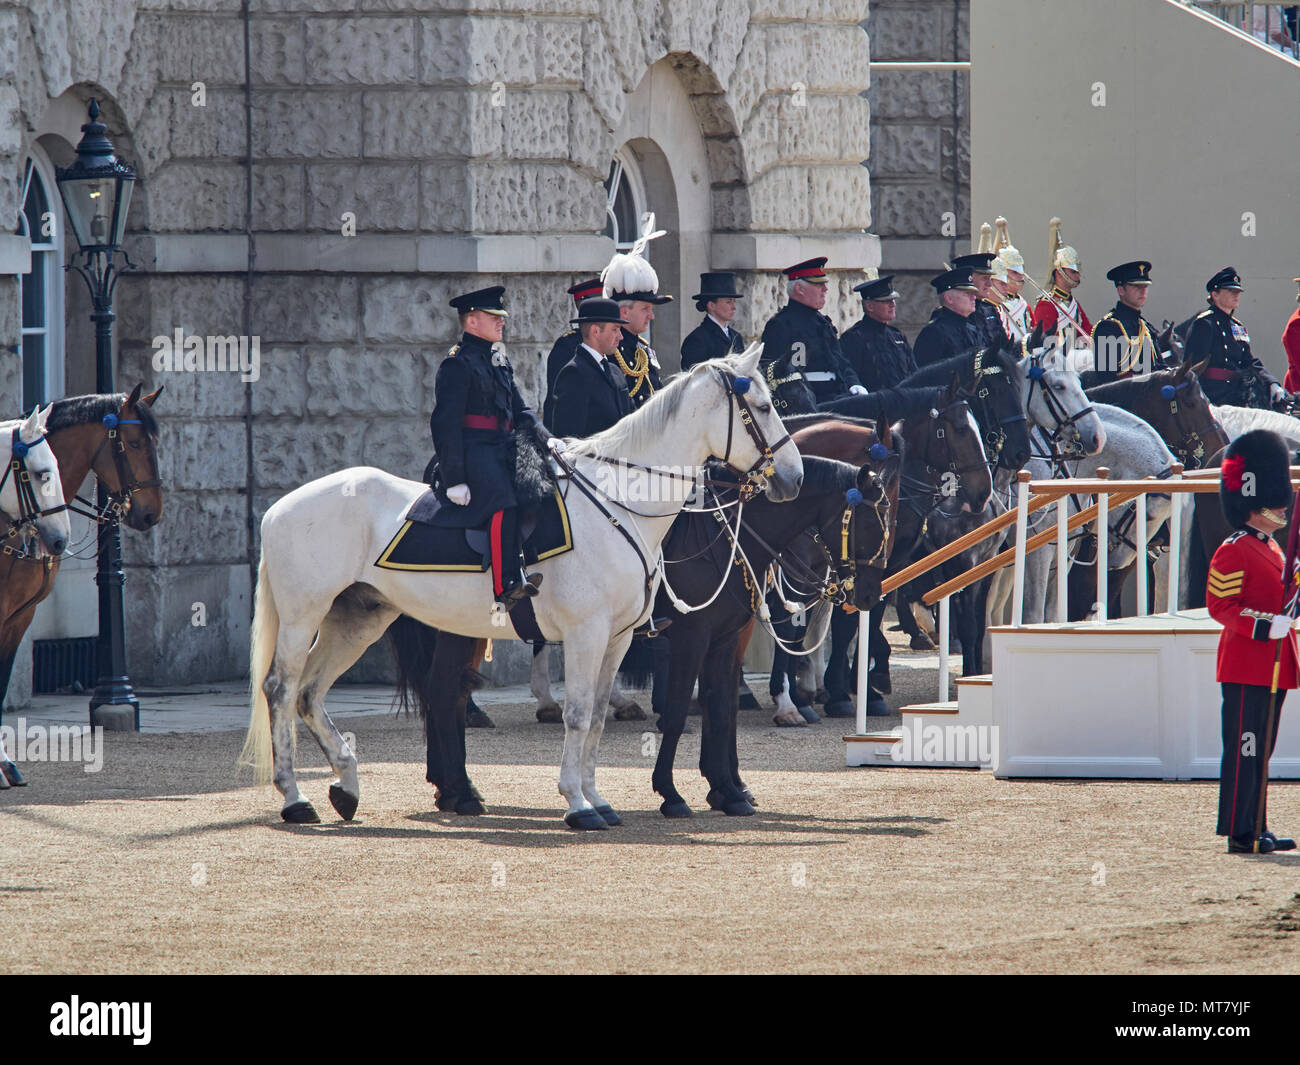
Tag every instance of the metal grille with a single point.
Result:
(60, 663)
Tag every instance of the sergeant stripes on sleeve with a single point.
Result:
(1223, 585)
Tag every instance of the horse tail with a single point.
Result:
(266, 630)
(413, 644)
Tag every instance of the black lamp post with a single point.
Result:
(96, 191)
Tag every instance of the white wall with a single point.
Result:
(1199, 127)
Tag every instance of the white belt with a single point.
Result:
(820, 375)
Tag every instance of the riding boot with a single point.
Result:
(509, 582)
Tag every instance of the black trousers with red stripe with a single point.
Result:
(1245, 716)
(503, 536)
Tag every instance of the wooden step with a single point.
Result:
(977, 680)
(949, 707)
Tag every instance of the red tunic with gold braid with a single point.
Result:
(1243, 593)
(1047, 311)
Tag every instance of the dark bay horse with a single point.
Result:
(116, 437)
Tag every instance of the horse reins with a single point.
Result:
(29, 509)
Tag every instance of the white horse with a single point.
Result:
(37, 501)
(321, 600)
(1238, 420)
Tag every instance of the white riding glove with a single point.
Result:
(1279, 627)
(1276, 393)
(556, 443)
(459, 494)
(857, 390)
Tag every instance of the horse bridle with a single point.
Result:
(1063, 419)
(1191, 447)
(932, 487)
(995, 438)
(29, 509)
(764, 468)
(119, 502)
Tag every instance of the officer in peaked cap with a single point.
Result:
(878, 352)
(476, 411)
(953, 328)
(714, 337)
(986, 311)
(802, 357)
(1235, 376)
(1249, 595)
(1123, 342)
(566, 345)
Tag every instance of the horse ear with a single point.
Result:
(747, 361)
(42, 416)
(134, 397)
(148, 400)
(1198, 369)
(1035, 338)
(954, 388)
(31, 426)
(882, 430)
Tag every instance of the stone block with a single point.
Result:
(960, 158)
(410, 310)
(383, 198)
(156, 305)
(289, 308)
(444, 50)
(220, 394)
(762, 134)
(430, 124)
(502, 50)
(278, 51)
(197, 528)
(171, 649)
(377, 381)
(278, 198)
(855, 129)
(210, 50)
(360, 51)
(779, 200)
(809, 128)
(840, 198)
(732, 211)
(559, 51)
(309, 124)
(590, 137)
(601, 76)
(912, 210)
(282, 387)
(715, 114)
(195, 198)
(726, 160)
(445, 198)
(913, 30)
(213, 131)
(400, 446)
(285, 457)
(534, 198)
(200, 455)
(536, 124)
(905, 149)
(914, 95)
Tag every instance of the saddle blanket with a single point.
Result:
(431, 548)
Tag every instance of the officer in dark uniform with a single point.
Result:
(565, 347)
(1234, 377)
(985, 314)
(1245, 593)
(1123, 342)
(953, 328)
(713, 338)
(879, 354)
(591, 391)
(477, 409)
(802, 348)
(632, 282)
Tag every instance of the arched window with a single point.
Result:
(42, 288)
(625, 202)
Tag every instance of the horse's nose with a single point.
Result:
(58, 546)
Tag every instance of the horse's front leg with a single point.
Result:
(591, 743)
(584, 656)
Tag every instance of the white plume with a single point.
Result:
(629, 272)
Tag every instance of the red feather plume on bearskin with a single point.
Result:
(1233, 468)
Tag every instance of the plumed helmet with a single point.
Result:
(1012, 259)
(1256, 474)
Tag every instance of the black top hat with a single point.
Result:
(1137, 272)
(584, 290)
(597, 310)
(976, 262)
(880, 288)
(1225, 278)
(958, 278)
(485, 299)
(813, 270)
(1263, 454)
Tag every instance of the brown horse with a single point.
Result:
(116, 437)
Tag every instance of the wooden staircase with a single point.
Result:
(938, 733)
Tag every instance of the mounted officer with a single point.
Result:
(632, 281)
(1123, 343)
(564, 348)
(713, 338)
(985, 314)
(477, 410)
(1247, 594)
(953, 328)
(878, 352)
(802, 346)
(1058, 310)
(1234, 377)
(1008, 281)
(591, 391)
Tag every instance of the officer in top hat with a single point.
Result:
(878, 352)
(567, 344)
(632, 281)
(1247, 594)
(1234, 377)
(986, 311)
(802, 357)
(953, 328)
(591, 390)
(477, 409)
(713, 338)
(1291, 345)
(1123, 342)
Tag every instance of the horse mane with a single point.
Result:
(940, 373)
(1117, 392)
(72, 411)
(632, 432)
(794, 422)
(826, 476)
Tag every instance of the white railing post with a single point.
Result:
(943, 649)
(1102, 527)
(1022, 531)
(864, 660)
(1140, 539)
(1062, 559)
(1175, 539)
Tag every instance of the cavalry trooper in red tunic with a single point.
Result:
(1245, 595)
(477, 410)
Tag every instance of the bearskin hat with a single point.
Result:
(1256, 474)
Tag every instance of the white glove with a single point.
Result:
(1279, 627)
(556, 443)
(857, 390)
(459, 494)
(1276, 393)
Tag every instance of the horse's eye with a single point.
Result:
(135, 444)
(764, 408)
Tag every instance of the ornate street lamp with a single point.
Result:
(96, 191)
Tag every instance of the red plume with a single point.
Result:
(1233, 468)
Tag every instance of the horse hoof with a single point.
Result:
(748, 796)
(630, 712)
(808, 714)
(922, 642)
(747, 700)
(475, 718)
(738, 808)
(712, 799)
(470, 807)
(607, 812)
(10, 772)
(820, 697)
(343, 802)
(550, 714)
(840, 708)
(584, 820)
(792, 720)
(301, 813)
(676, 809)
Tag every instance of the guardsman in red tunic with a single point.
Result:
(1245, 595)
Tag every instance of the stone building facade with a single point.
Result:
(323, 174)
